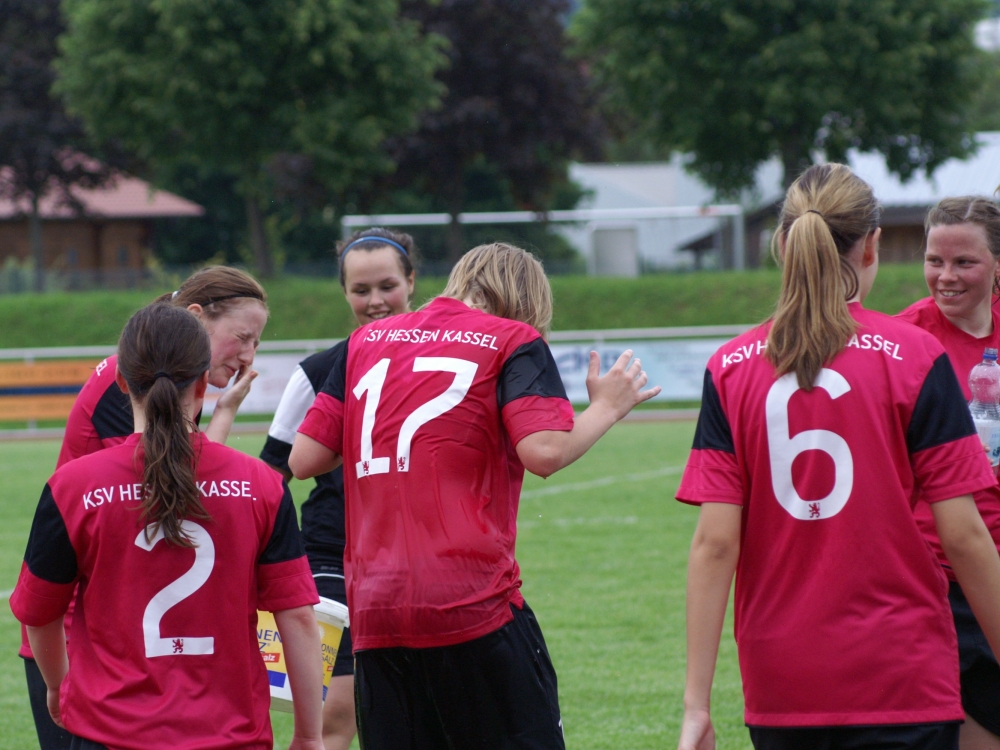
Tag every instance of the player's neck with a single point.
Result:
(189, 404)
(978, 323)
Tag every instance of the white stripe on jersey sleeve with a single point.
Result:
(295, 402)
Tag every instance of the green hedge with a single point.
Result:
(304, 308)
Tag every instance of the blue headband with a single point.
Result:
(382, 240)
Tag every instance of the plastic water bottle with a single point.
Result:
(984, 382)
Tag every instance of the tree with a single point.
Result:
(226, 86)
(735, 82)
(516, 107)
(986, 105)
(41, 146)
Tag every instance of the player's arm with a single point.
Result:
(300, 641)
(611, 398)
(296, 399)
(973, 556)
(228, 404)
(48, 645)
(715, 550)
(310, 458)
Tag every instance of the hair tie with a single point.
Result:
(382, 240)
(160, 374)
(814, 211)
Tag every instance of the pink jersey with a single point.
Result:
(101, 415)
(163, 650)
(426, 409)
(842, 616)
(965, 352)
(100, 418)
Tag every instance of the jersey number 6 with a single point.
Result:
(372, 382)
(783, 449)
(175, 593)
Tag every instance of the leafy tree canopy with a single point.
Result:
(516, 108)
(986, 105)
(41, 146)
(735, 82)
(228, 86)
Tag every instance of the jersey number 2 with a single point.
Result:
(783, 449)
(372, 382)
(175, 593)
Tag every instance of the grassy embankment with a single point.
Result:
(315, 308)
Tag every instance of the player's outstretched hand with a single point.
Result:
(620, 389)
(232, 398)
(52, 701)
(697, 732)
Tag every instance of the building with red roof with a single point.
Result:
(113, 232)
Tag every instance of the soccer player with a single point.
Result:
(437, 414)
(376, 274)
(233, 308)
(818, 432)
(961, 267)
(175, 542)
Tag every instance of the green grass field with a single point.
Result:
(603, 550)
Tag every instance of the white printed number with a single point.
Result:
(784, 449)
(175, 593)
(372, 383)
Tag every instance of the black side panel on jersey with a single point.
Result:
(940, 414)
(285, 542)
(323, 520)
(713, 431)
(335, 382)
(318, 367)
(276, 452)
(530, 371)
(113, 414)
(50, 555)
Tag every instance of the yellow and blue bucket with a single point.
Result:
(332, 618)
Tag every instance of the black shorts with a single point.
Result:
(495, 691)
(939, 736)
(330, 585)
(980, 673)
(79, 743)
(50, 736)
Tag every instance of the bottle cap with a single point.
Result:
(990, 354)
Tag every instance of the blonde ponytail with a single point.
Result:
(827, 210)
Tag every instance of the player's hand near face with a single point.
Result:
(232, 398)
(228, 404)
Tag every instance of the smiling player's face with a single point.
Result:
(234, 336)
(375, 284)
(959, 269)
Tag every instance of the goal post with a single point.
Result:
(614, 241)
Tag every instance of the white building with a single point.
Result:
(629, 247)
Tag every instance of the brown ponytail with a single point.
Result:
(827, 210)
(161, 353)
(218, 289)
